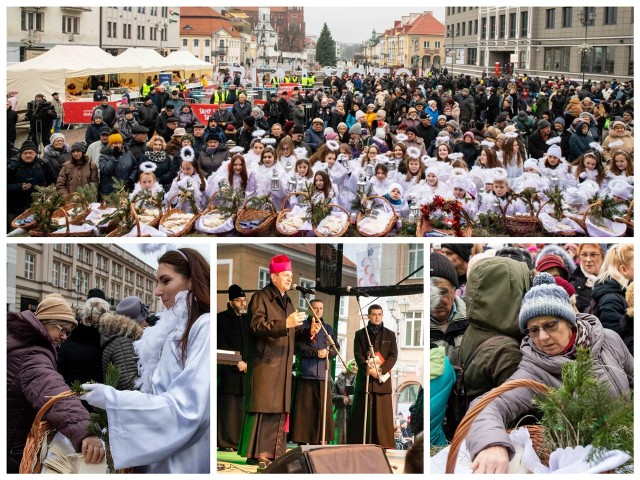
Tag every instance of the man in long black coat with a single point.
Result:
(380, 410)
(273, 320)
(313, 351)
(233, 334)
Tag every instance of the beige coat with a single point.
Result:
(76, 174)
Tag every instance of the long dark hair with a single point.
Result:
(243, 174)
(197, 269)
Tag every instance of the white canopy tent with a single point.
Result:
(46, 73)
(144, 60)
(186, 61)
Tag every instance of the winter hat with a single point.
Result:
(299, 129)
(543, 123)
(522, 115)
(470, 134)
(441, 266)
(55, 137)
(79, 146)
(545, 299)
(28, 145)
(133, 308)
(230, 128)
(214, 136)
(555, 150)
(96, 293)
(460, 249)
(613, 125)
(559, 120)
(550, 261)
(532, 163)
(317, 120)
(442, 117)
(331, 136)
(359, 114)
(54, 307)
(251, 121)
(558, 251)
(454, 124)
(356, 128)
(280, 263)
(398, 186)
(235, 291)
(561, 282)
(179, 132)
(115, 138)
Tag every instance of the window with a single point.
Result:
(140, 32)
(492, 27)
(196, 42)
(149, 285)
(147, 299)
(116, 270)
(153, 11)
(522, 59)
(185, 42)
(590, 12)
(566, 17)
(66, 249)
(115, 291)
(29, 266)
(524, 24)
(482, 58)
(140, 9)
(470, 28)
(55, 274)
(409, 394)
(512, 25)
(139, 280)
(471, 56)
(70, 24)
(630, 72)
(503, 26)
(165, 12)
(550, 18)
(207, 42)
(557, 58)
(344, 307)
(413, 329)
(610, 15)
(31, 21)
(302, 305)
(599, 60)
(475, 27)
(427, 44)
(463, 28)
(457, 29)
(206, 58)
(128, 291)
(82, 279)
(101, 283)
(64, 276)
(263, 278)
(416, 259)
(437, 44)
(484, 28)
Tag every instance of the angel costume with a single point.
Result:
(165, 426)
(186, 182)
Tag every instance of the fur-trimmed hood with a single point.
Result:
(114, 325)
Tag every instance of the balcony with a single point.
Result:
(76, 9)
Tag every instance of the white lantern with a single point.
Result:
(292, 184)
(414, 211)
(275, 181)
(361, 184)
(369, 170)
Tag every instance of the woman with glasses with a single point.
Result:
(164, 427)
(590, 257)
(553, 333)
(33, 378)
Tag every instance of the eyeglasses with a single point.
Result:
(63, 331)
(548, 327)
(589, 255)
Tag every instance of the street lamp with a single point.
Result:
(587, 17)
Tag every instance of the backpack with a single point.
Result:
(458, 402)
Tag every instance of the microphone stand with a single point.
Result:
(370, 354)
(326, 369)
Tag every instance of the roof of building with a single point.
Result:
(425, 24)
(204, 21)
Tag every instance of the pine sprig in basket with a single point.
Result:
(555, 200)
(46, 200)
(259, 203)
(188, 195)
(603, 208)
(529, 196)
(119, 199)
(98, 421)
(148, 198)
(230, 199)
(582, 411)
(361, 204)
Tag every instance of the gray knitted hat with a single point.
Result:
(545, 299)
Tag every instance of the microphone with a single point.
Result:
(357, 291)
(306, 291)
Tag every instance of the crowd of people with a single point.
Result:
(158, 413)
(481, 141)
(521, 312)
(262, 405)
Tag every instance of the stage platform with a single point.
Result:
(231, 462)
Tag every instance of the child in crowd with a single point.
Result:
(621, 166)
(190, 179)
(147, 184)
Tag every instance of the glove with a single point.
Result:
(96, 395)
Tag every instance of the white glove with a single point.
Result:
(96, 395)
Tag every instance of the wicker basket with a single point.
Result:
(121, 231)
(522, 226)
(424, 227)
(628, 219)
(390, 224)
(22, 216)
(283, 213)
(342, 231)
(209, 210)
(268, 218)
(188, 227)
(535, 431)
(68, 233)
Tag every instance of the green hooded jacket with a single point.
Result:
(495, 289)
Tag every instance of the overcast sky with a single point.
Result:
(354, 24)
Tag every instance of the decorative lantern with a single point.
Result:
(361, 184)
(288, 166)
(292, 184)
(554, 180)
(275, 181)
(369, 170)
(391, 165)
(414, 212)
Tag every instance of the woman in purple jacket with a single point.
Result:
(32, 378)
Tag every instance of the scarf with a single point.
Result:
(169, 327)
(579, 338)
(393, 202)
(156, 157)
(374, 329)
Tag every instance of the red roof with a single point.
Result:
(426, 24)
(203, 22)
